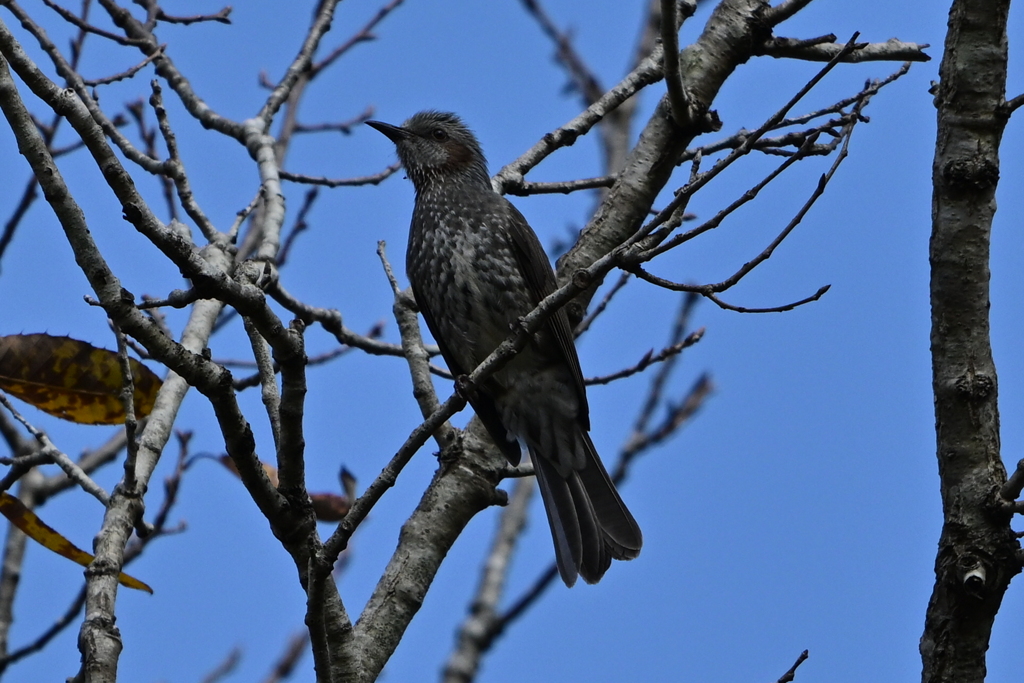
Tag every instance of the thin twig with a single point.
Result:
(343, 127)
(128, 403)
(675, 417)
(73, 471)
(648, 71)
(415, 352)
(649, 359)
(137, 111)
(330, 320)
(523, 188)
(175, 168)
(127, 73)
(268, 379)
(791, 674)
(225, 668)
(221, 17)
(70, 616)
(710, 290)
(364, 34)
(600, 308)
(670, 55)
(816, 50)
(30, 193)
(374, 179)
(72, 19)
(242, 214)
(299, 226)
(286, 663)
(583, 79)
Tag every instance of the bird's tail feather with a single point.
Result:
(590, 524)
(565, 526)
(621, 532)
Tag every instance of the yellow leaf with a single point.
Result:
(26, 520)
(71, 379)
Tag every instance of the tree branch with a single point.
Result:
(978, 552)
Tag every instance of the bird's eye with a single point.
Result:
(439, 134)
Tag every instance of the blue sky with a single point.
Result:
(799, 510)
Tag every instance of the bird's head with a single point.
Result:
(436, 145)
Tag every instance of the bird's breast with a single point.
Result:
(465, 271)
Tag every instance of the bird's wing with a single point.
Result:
(536, 270)
(482, 404)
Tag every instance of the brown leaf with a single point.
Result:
(33, 527)
(268, 468)
(330, 507)
(71, 379)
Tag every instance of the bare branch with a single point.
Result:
(1014, 104)
(364, 34)
(128, 403)
(709, 290)
(415, 353)
(315, 622)
(128, 73)
(523, 188)
(670, 49)
(55, 629)
(791, 674)
(300, 225)
(374, 179)
(267, 378)
(817, 50)
(675, 418)
(480, 627)
(293, 652)
(57, 456)
(330, 320)
(71, 18)
(602, 305)
(174, 168)
(1011, 490)
(645, 73)
(221, 17)
(254, 380)
(224, 669)
(302, 62)
(343, 127)
(649, 358)
(583, 79)
(141, 35)
(784, 10)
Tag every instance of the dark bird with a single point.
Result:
(476, 267)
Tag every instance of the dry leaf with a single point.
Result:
(328, 507)
(71, 379)
(33, 527)
(268, 468)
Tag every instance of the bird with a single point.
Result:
(476, 267)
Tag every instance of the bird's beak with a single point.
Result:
(395, 133)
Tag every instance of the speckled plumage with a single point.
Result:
(476, 267)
